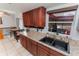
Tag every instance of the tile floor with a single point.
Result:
(10, 47)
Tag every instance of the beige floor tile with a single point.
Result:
(10, 47)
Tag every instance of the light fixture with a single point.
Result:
(1, 14)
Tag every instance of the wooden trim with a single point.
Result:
(72, 8)
(34, 9)
(63, 18)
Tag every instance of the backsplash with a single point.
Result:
(34, 29)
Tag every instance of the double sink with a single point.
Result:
(64, 46)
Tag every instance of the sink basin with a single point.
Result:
(47, 40)
(61, 45)
(56, 43)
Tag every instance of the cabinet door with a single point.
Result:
(31, 18)
(26, 19)
(43, 50)
(34, 48)
(23, 41)
(28, 44)
(54, 53)
(35, 17)
(42, 14)
(39, 17)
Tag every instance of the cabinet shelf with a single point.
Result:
(61, 22)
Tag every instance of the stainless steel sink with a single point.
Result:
(56, 43)
(47, 40)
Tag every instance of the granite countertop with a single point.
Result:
(36, 36)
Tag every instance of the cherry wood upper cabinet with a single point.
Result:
(39, 17)
(35, 18)
(31, 19)
(26, 19)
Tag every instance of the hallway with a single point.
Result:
(10, 47)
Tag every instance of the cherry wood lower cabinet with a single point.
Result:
(36, 48)
(23, 41)
(29, 44)
(54, 53)
(42, 50)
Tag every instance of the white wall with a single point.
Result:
(9, 21)
(21, 26)
(74, 33)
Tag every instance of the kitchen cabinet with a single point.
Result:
(39, 17)
(31, 18)
(37, 49)
(43, 50)
(26, 19)
(23, 41)
(29, 44)
(35, 18)
(34, 47)
(54, 53)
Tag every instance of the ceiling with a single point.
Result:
(22, 7)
